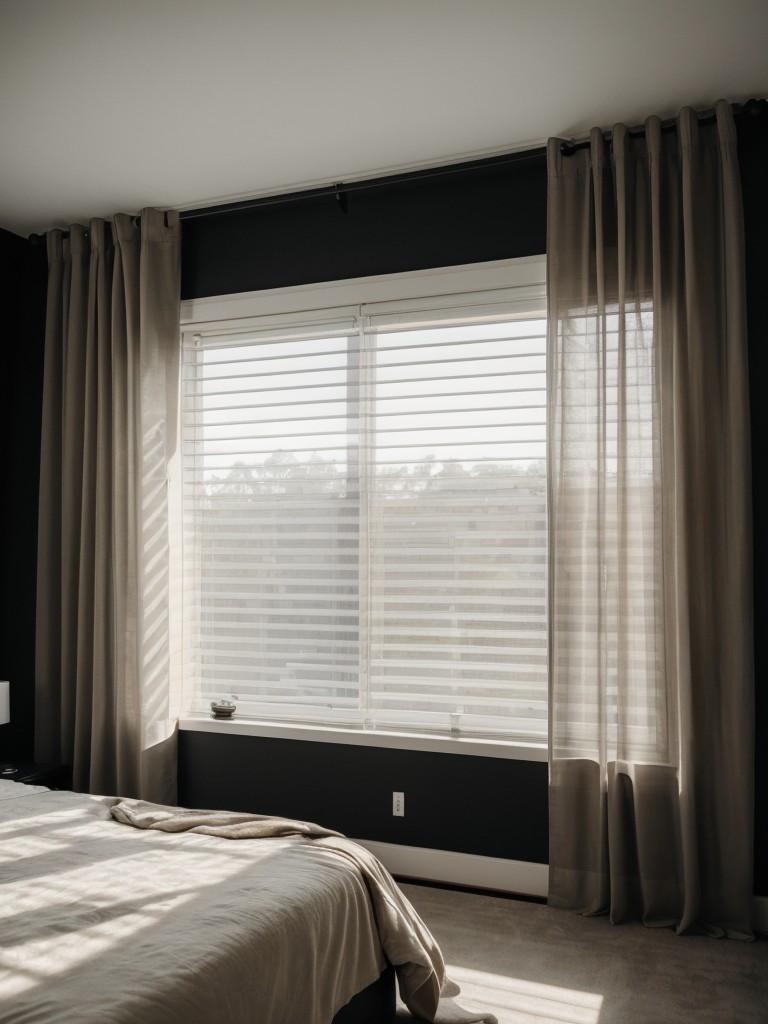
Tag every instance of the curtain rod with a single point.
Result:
(340, 189)
(570, 146)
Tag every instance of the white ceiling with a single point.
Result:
(110, 105)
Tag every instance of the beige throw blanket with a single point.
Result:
(225, 824)
(407, 942)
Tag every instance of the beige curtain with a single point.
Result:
(652, 709)
(104, 643)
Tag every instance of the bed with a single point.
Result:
(119, 912)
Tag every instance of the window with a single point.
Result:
(364, 504)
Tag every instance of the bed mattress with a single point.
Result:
(115, 925)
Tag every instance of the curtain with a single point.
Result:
(104, 637)
(651, 681)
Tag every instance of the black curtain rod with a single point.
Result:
(570, 146)
(339, 189)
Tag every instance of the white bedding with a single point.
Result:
(102, 922)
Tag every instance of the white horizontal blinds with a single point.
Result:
(457, 521)
(365, 515)
(607, 537)
(271, 497)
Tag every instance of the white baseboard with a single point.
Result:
(514, 876)
(760, 913)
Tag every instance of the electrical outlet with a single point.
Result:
(398, 805)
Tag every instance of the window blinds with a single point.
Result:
(365, 517)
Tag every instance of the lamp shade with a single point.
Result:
(5, 702)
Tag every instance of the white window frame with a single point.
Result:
(447, 287)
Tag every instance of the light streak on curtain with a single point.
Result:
(104, 639)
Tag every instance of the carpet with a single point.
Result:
(532, 964)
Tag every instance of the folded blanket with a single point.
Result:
(405, 939)
(226, 824)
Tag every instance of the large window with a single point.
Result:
(365, 528)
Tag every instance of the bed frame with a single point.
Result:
(374, 1005)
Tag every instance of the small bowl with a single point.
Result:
(222, 708)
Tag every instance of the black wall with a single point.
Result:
(22, 326)
(487, 213)
(491, 806)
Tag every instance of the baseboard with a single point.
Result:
(514, 876)
(760, 914)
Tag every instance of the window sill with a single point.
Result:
(474, 746)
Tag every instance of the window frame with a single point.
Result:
(447, 287)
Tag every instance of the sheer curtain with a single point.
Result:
(104, 643)
(651, 689)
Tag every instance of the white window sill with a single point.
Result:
(243, 726)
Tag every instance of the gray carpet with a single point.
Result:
(530, 964)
